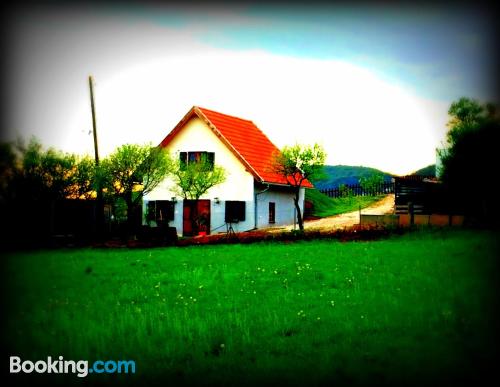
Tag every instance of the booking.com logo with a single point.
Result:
(80, 367)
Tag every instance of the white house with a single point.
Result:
(252, 196)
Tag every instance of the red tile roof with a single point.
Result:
(245, 140)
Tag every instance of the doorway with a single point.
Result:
(196, 217)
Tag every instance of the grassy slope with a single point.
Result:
(411, 308)
(326, 206)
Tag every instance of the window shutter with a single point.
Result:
(211, 160)
(235, 211)
(164, 210)
(170, 210)
(228, 215)
(183, 160)
(151, 214)
(240, 210)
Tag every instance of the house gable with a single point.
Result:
(196, 136)
(242, 137)
(196, 112)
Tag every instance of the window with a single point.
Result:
(160, 211)
(272, 212)
(186, 158)
(235, 211)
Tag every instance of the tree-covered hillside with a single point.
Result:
(429, 170)
(336, 175)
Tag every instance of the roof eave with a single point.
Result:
(225, 141)
(284, 184)
(169, 137)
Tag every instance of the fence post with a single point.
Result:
(410, 211)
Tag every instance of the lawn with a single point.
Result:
(326, 206)
(413, 308)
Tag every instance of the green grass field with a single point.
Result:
(412, 308)
(326, 206)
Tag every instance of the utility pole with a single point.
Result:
(100, 205)
(94, 128)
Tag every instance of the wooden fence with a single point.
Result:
(358, 190)
(416, 178)
(426, 195)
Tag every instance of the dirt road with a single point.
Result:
(383, 206)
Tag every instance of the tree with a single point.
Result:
(345, 191)
(44, 174)
(465, 115)
(370, 183)
(30, 172)
(297, 164)
(34, 183)
(194, 179)
(84, 179)
(469, 156)
(131, 172)
(8, 169)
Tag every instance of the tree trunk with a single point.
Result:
(99, 216)
(130, 215)
(297, 207)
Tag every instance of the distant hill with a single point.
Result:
(337, 175)
(429, 170)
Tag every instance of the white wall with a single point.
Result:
(239, 185)
(197, 136)
(217, 223)
(217, 217)
(284, 207)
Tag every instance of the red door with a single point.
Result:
(196, 217)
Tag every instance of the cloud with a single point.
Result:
(148, 76)
(359, 118)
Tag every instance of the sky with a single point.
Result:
(372, 84)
